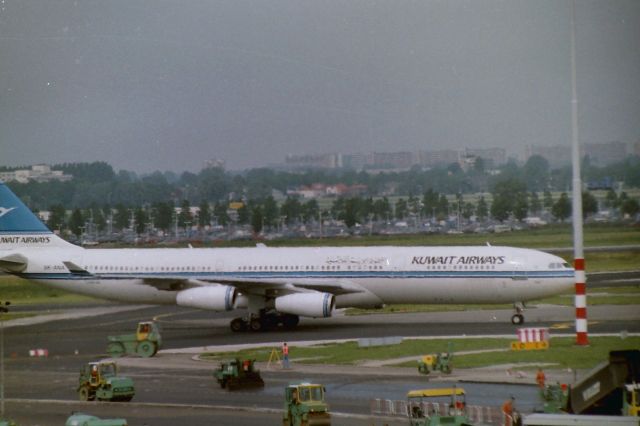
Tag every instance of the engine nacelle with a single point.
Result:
(306, 304)
(211, 297)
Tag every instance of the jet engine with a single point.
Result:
(211, 297)
(306, 304)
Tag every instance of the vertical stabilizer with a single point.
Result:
(20, 227)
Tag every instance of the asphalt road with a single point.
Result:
(41, 391)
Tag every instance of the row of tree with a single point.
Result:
(509, 200)
(97, 183)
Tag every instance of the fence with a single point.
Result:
(398, 408)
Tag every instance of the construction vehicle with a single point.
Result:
(145, 342)
(100, 380)
(81, 419)
(611, 388)
(437, 362)
(431, 407)
(304, 405)
(238, 374)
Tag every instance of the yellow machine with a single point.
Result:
(424, 407)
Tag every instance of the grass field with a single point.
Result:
(609, 296)
(552, 236)
(562, 352)
(20, 291)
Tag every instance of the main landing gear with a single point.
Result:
(518, 318)
(264, 321)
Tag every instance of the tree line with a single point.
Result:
(98, 193)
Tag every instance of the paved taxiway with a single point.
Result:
(173, 378)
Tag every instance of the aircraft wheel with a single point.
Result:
(84, 394)
(146, 349)
(290, 321)
(115, 349)
(237, 325)
(517, 319)
(256, 324)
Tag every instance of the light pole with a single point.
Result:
(582, 338)
(3, 309)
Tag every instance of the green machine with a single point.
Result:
(7, 423)
(611, 388)
(555, 398)
(425, 407)
(145, 342)
(437, 362)
(304, 405)
(238, 374)
(81, 419)
(100, 380)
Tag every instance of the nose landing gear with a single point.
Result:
(518, 317)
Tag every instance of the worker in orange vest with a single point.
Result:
(541, 378)
(507, 411)
(285, 355)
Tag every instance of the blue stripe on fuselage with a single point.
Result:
(310, 274)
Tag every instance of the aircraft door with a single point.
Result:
(219, 265)
(519, 271)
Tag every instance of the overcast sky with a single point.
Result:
(164, 85)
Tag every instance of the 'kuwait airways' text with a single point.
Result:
(457, 260)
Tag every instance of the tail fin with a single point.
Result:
(15, 217)
(20, 227)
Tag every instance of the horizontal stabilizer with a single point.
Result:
(75, 269)
(14, 263)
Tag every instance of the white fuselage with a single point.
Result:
(430, 275)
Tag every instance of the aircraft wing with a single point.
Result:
(248, 285)
(289, 285)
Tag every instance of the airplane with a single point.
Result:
(278, 285)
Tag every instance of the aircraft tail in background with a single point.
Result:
(20, 227)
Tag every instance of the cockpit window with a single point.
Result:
(558, 265)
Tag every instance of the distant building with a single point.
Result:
(37, 173)
(492, 157)
(438, 158)
(321, 161)
(603, 154)
(600, 154)
(354, 161)
(402, 160)
(557, 156)
(394, 161)
(214, 163)
(313, 191)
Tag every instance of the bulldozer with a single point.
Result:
(100, 380)
(238, 374)
(145, 342)
(304, 405)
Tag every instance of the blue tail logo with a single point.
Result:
(15, 217)
(4, 210)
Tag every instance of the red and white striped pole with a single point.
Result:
(582, 338)
(581, 303)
